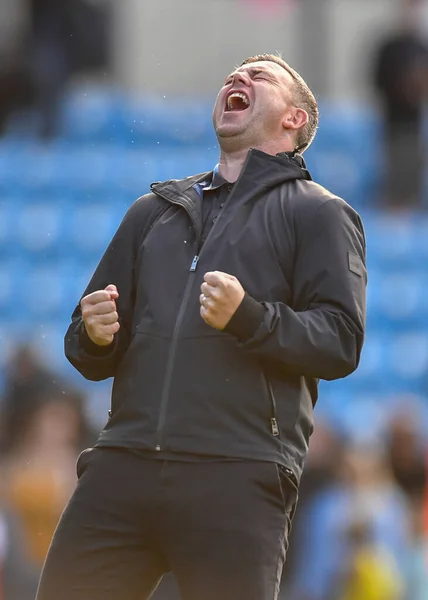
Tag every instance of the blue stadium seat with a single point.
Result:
(372, 362)
(85, 169)
(93, 114)
(176, 122)
(408, 361)
(90, 229)
(40, 229)
(10, 299)
(32, 168)
(77, 277)
(397, 241)
(344, 156)
(13, 164)
(340, 173)
(10, 208)
(398, 300)
(48, 338)
(43, 291)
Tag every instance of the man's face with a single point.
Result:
(252, 105)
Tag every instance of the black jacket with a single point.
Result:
(248, 392)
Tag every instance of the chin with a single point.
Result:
(230, 130)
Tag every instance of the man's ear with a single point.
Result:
(296, 118)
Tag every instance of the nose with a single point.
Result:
(241, 78)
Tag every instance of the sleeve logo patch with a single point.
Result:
(356, 265)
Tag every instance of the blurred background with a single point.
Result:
(99, 99)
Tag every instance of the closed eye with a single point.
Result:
(259, 75)
(254, 74)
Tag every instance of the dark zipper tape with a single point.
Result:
(173, 346)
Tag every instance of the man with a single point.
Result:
(220, 302)
(401, 80)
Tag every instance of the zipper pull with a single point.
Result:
(274, 426)
(194, 263)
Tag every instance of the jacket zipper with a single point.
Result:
(273, 420)
(173, 346)
(181, 312)
(171, 359)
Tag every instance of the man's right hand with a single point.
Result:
(100, 316)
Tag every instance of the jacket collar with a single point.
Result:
(261, 171)
(259, 167)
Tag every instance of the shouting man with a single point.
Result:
(220, 302)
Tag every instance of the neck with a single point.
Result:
(231, 163)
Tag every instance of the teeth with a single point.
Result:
(243, 97)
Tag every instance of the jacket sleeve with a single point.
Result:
(116, 267)
(321, 336)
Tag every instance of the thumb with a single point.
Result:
(112, 290)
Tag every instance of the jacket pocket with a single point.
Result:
(83, 461)
(289, 490)
(273, 419)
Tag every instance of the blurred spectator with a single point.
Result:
(401, 79)
(406, 452)
(41, 471)
(18, 577)
(370, 573)
(28, 384)
(319, 474)
(14, 81)
(417, 572)
(364, 492)
(66, 37)
(43, 430)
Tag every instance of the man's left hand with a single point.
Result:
(221, 295)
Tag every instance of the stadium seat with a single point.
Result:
(169, 121)
(397, 241)
(93, 114)
(372, 363)
(39, 229)
(398, 299)
(48, 338)
(408, 360)
(90, 228)
(8, 290)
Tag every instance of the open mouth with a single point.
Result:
(237, 102)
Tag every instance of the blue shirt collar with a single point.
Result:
(217, 180)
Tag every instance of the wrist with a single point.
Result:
(92, 347)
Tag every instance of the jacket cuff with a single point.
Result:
(247, 319)
(93, 349)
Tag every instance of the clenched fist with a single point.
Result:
(100, 316)
(220, 298)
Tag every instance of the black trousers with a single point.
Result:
(220, 527)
